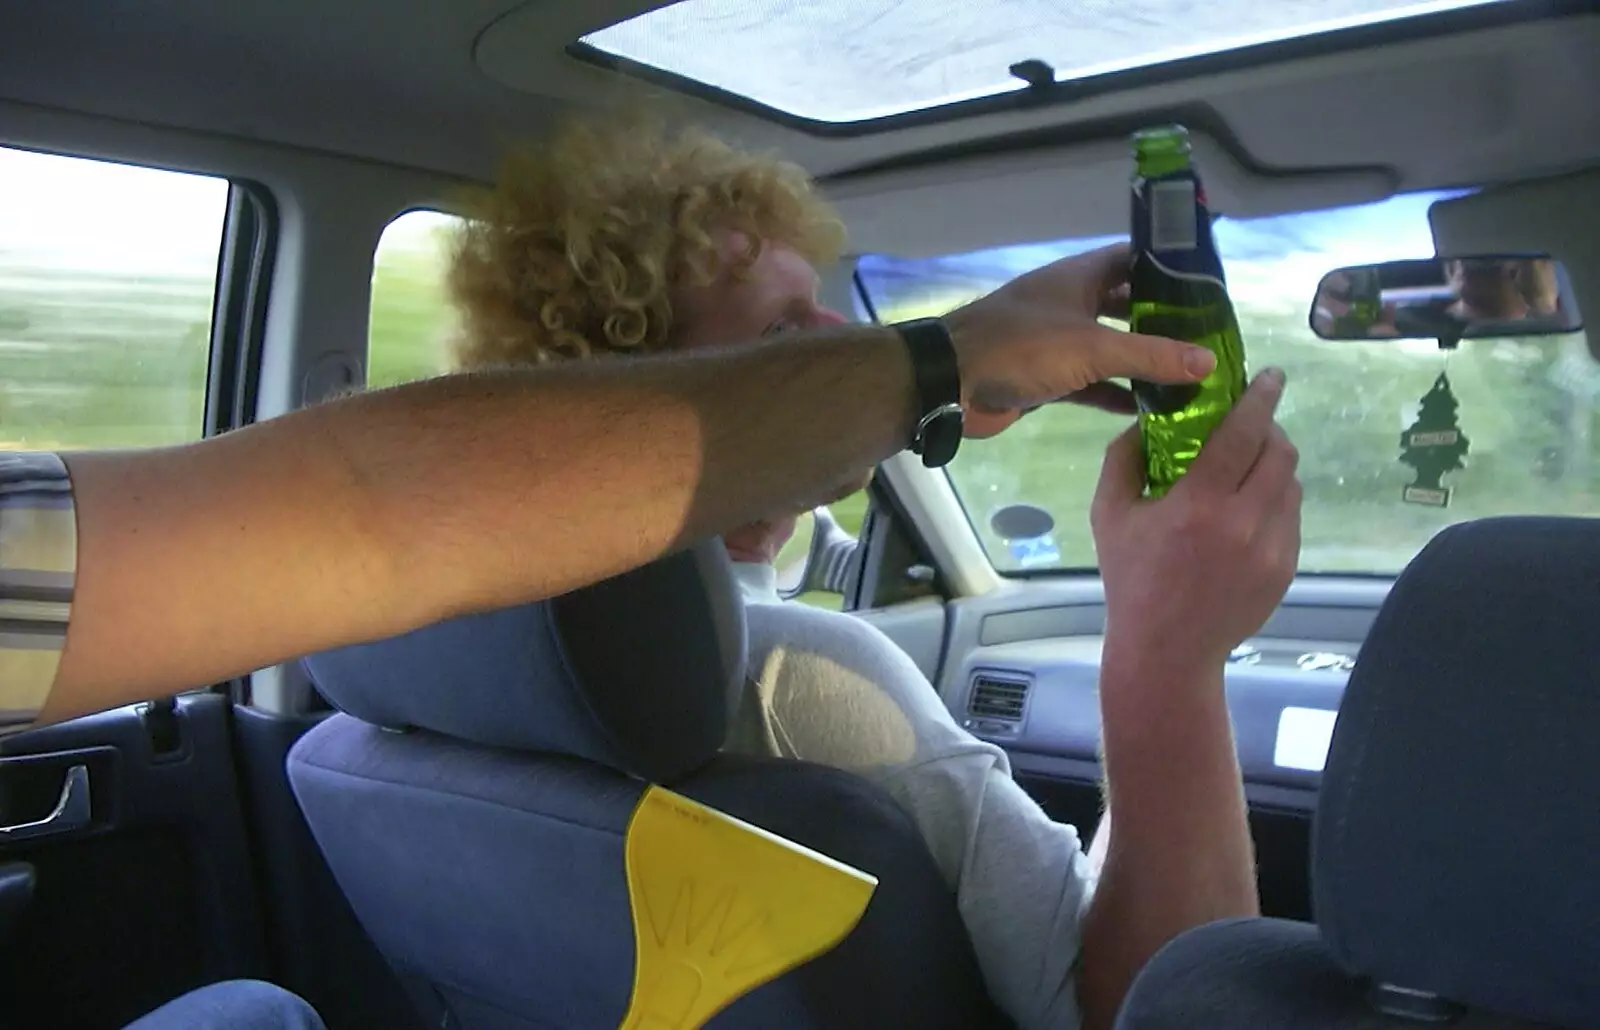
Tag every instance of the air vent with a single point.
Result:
(994, 697)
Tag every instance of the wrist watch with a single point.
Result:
(938, 382)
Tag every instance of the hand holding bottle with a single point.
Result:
(1037, 339)
(1192, 574)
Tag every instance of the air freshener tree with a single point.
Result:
(1434, 445)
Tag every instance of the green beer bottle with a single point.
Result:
(1178, 291)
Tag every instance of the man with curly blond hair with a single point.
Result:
(621, 239)
(624, 238)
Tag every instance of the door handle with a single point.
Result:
(71, 811)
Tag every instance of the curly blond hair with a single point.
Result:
(577, 248)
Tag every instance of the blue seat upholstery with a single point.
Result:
(1456, 847)
(473, 794)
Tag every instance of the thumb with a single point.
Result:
(1116, 354)
(1121, 476)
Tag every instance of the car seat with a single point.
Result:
(1456, 845)
(472, 793)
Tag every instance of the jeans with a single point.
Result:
(234, 1005)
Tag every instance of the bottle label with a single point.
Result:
(1172, 227)
(1178, 289)
(1172, 221)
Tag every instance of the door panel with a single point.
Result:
(153, 894)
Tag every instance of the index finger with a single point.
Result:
(1234, 446)
(1115, 354)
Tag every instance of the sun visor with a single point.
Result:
(1559, 216)
(1048, 194)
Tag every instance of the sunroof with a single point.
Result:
(842, 61)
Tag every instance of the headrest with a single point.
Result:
(641, 672)
(1457, 841)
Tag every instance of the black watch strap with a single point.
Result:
(938, 381)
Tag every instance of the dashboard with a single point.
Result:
(1041, 698)
(1025, 676)
(1020, 666)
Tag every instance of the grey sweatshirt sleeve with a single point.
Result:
(832, 689)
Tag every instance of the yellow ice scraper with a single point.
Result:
(720, 907)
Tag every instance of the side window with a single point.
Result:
(821, 584)
(822, 573)
(107, 280)
(411, 321)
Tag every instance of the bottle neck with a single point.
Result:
(1158, 163)
(1171, 219)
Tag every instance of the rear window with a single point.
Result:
(411, 322)
(108, 276)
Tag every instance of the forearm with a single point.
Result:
(371, 515)
(1180, 854)
(579, 472)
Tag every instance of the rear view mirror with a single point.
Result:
(1446, 299)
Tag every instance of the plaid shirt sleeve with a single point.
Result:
(38, 565)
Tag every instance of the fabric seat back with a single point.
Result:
(473, 794)
(1455, 840)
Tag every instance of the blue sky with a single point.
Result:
(1277, 259)
(1397, 224)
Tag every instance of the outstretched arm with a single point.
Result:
(366, 516)
(372, 515)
